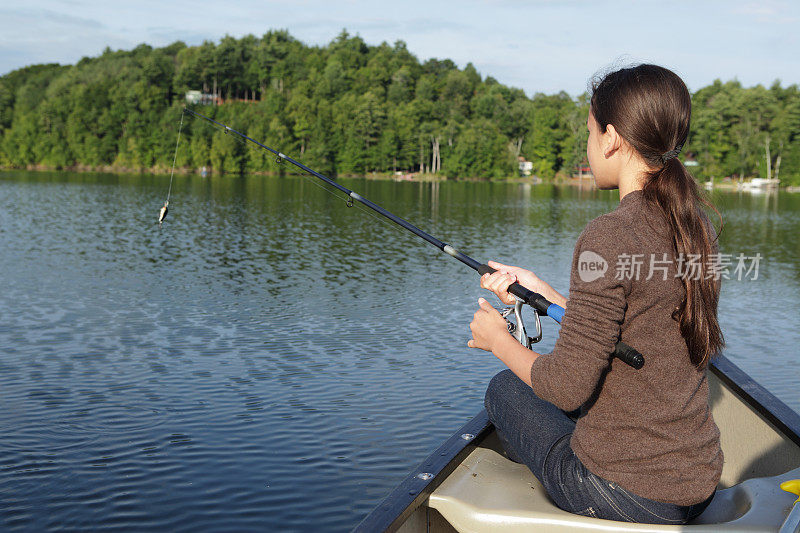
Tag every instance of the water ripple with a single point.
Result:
(271, 360)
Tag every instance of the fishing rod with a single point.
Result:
(539, 303)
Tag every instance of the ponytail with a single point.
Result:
(675, 192)
(650, 107)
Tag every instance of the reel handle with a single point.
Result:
(622, 351)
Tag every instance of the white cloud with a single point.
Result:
(537, 45)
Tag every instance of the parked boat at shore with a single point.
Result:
(759, 185)
(469, 485)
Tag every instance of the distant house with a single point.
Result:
(525, 167)
(690, 160)
(583, 171)
(199, 98)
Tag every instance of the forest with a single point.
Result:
(348, 108)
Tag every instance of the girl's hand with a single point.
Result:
(488, 327)
(498, 282)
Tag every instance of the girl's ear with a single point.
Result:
(612, 141)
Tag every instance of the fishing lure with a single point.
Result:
(162, 214)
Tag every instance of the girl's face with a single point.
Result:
(602, 168)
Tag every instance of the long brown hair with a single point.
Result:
(650, 107)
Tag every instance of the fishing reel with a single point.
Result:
(517, 327)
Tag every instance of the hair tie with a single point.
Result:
(671, 154)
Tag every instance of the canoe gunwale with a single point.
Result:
(392, 512)
(766, 404)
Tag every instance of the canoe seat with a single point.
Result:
(488, 492)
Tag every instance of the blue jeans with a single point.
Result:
(537, 433)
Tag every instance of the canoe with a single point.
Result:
(468, 484)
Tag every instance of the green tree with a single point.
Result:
(348, 107)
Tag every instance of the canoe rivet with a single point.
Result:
(467, 436)
(425, 476)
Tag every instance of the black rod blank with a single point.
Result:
(543, 306)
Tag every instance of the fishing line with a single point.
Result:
(175, 157)
(162, 214)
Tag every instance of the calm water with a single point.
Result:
(272, 359)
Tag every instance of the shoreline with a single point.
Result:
(412, 177)
(186, 171)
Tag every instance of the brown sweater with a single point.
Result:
(648, 430)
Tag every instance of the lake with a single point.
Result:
(271, 359)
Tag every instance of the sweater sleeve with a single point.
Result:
(569, 375)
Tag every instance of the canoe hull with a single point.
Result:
(760, 437)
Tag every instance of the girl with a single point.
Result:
(645, 447)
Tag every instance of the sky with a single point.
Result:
(536, 45)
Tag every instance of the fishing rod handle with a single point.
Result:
(628, 355)
(622, 351)
(534, 299)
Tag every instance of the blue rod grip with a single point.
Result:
(556, 312)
